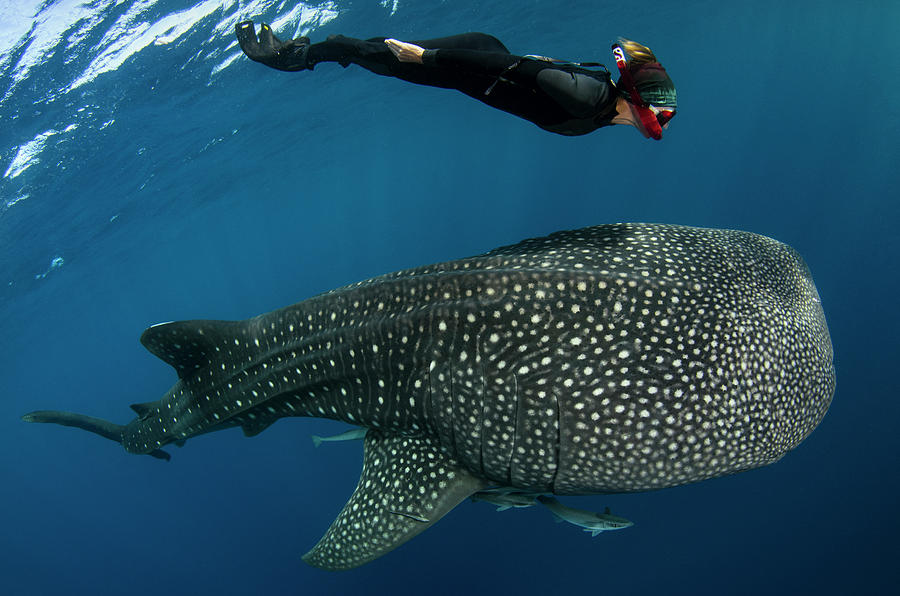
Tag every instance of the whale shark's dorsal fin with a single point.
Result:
(407, 484)
(190, 345)
(145, 408)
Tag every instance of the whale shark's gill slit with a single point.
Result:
(393, 411)
(431, 416)
(443, 418)
(480, 358)
(558, 442)
(516, 409)
(452, 408)
(411, 516)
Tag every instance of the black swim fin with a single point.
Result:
(289, 56)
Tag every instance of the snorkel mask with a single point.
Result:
(652, 118)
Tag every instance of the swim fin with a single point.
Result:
(289, 56)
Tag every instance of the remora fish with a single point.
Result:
(609, 359)
(590, 521)
(354, 434)
(505, 500)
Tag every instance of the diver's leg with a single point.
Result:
(374, 55)
(469, 62)
(371, 54)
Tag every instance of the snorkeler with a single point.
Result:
(561, 97)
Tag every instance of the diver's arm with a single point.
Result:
(473, 61)
(405, 52)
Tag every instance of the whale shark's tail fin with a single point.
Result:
(98, 426)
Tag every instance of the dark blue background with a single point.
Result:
(240, 192)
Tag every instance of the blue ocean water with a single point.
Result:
(151, 173)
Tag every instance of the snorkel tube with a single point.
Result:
(648, 118)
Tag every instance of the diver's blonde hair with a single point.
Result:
(637, 53)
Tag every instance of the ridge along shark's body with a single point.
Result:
(616, 358)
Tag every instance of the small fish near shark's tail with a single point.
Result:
(98, 426)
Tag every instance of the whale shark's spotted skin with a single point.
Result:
(615, 358)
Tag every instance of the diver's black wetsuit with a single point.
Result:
(560, 98)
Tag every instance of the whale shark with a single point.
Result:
(609, 359)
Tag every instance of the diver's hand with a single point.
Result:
(405, 52)
(289, 55)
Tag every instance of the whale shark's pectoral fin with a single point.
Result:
(191, 345)
(407, 484)
(160, 454)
